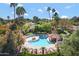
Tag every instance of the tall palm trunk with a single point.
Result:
(14, 12)
(42, 51)
(49, 15)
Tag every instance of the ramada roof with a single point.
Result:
(52, 36)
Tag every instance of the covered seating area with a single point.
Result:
(54, 37)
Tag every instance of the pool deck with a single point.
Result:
(33, 49)
(48, 49)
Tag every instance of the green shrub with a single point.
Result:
(2, 31)
(70, 46)
(29, 54)
(13, 27)
(60, 31)
(25, 28)
(43, 27)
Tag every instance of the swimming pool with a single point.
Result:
(42, 41)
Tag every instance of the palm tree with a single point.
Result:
(55, 19)
(14, 6)
(20, 11)
(49, 9)
(56, 16)
(53, 10)
(8, 17)
(35, 19)
(43, 49)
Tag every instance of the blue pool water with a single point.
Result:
(42, 41)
